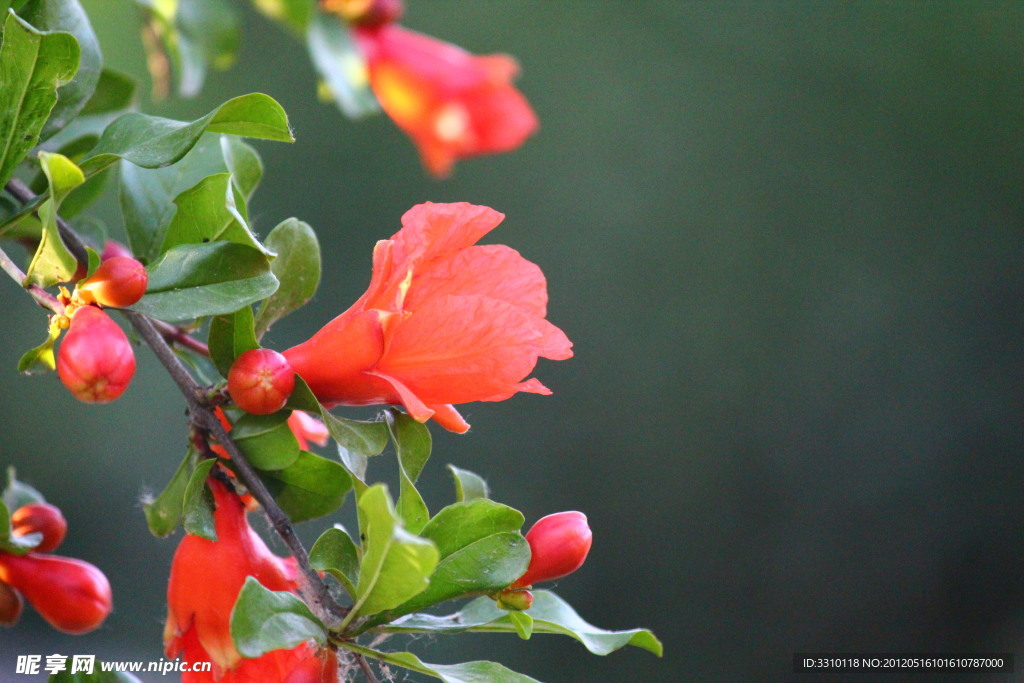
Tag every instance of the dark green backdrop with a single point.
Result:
(787, 241)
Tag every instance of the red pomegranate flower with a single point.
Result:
(451, 103)
(206, 577)
(444, 321)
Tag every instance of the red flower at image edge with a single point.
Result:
(444, 321)
(451, 103)
(206, 577)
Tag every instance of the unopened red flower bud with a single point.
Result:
(95, 361)
(72, 595)
(114, 248)
(516, 599)
(41, 518)
(260, 381)
(559, 544)
(119, 281)
(11, 605)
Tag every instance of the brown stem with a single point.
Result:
(365, 666)
(41, 296)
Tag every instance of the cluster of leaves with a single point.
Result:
(184, 195)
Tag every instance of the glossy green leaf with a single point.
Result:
(147, 195)
(412, 446)
(467, 672)
(522, 623)
(197, 511)
(310, 487)
(153, 142)
(356, 464)
(550, 614)
(52, 262)
(207, 212)
(266, 440)
(32, 65)
(294, 14)
(297, 268)
(196, 280)
(335, 552)
(229, 337)
(69, 17)
(461, 524)
(18, 493)
(209, 33)
(302, 398)
(164, 512)
(40, 359)
(468, 485)
(366, 438)
(263, 620)
(396, 565)
(340, 65)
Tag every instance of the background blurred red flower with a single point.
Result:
(443, 321)
(451, 103)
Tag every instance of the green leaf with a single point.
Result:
(147, 195)
(310, 487)
(68, 16)
(412, 445)
(52, 262)
(461, 524)
(522, 623)
(114, 92)
(396, 565)
(40, 359)
(97, 676)
(207, 212)
(336, 553)
(263, 620)
(164, 513)
(481, 551)
(32, 65)
(209, 33)
(550, 614)
(302, 398)
(266, 440)
(297, 268)
(341, 65)
(294, 14)
(229, 337)
(468, 486)
(17, 493)
(366, 438)
(196, 280)
(153, 142)
(197, 512)
(467, 672)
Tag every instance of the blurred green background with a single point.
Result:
(787, 240)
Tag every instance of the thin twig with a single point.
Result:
(41, 296)
(365, 666)
(312, 588)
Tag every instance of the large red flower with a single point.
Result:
(444, 321)
(451, 103)
(206, 577)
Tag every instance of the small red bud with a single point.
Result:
(559, 544)
(260, 381)
(40, 518)
(515, 599)
(72, 595)
(114, 248)
(95, 361)
(119, 281)
(11, 605)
